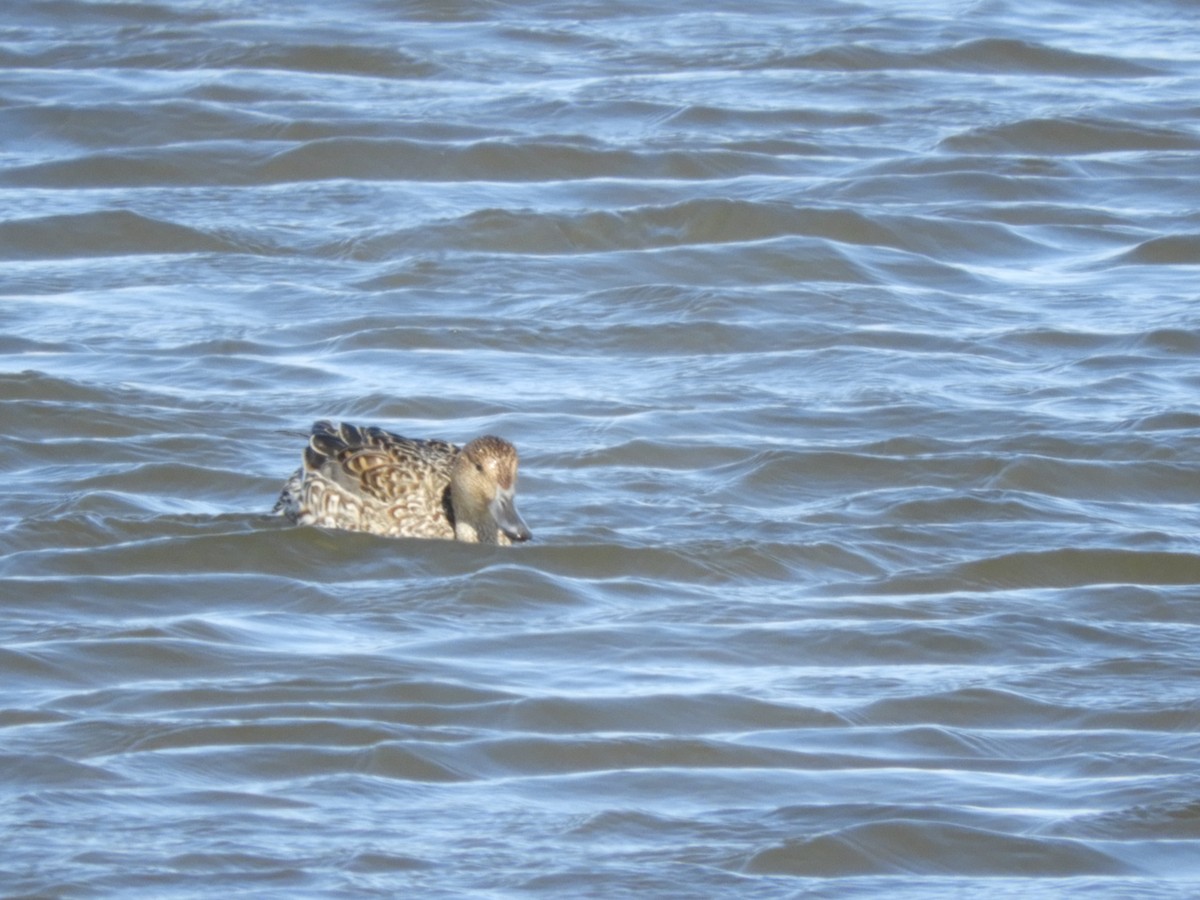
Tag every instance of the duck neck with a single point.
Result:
(464, 530)
(477, 532)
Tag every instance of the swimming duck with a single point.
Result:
(363, 478)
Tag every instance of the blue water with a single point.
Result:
(850, 349)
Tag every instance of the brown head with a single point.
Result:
(483, 485)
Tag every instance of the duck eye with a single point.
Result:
(479, 467)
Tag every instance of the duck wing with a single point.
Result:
(379, 465)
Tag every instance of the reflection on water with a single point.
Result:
(851, 360)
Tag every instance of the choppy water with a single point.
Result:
(851, 349)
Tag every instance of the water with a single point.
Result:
(850, 348)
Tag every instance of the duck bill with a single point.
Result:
(504, 510)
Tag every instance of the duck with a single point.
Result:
(363, 478)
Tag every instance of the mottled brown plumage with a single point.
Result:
(367, 479)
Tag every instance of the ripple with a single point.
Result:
(1072, 136)
(112, 233)
(1005, 55)
(898, 846)
(1175, 250)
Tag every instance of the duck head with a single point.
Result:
(483, 485)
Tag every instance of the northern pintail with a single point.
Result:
(367, 479)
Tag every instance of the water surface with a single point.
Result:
(850, 348)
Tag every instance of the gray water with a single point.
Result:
(851, 352)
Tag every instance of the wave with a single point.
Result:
(1072, 136)
(1171, 250)
(1065, 567)
(900, 846)
(988, 55)
(104, 233)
